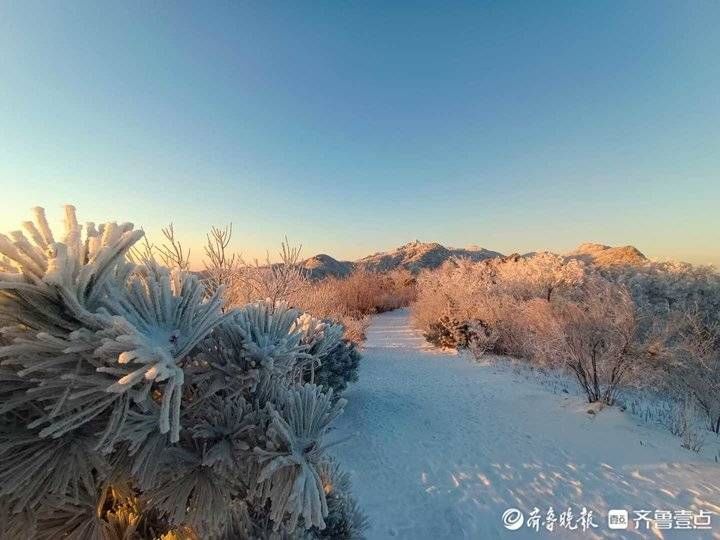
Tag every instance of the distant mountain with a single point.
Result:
(321, 266)
(417, 256)
(475, 253)
(601, 255)
(414, 256)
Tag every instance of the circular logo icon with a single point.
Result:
(513, 519)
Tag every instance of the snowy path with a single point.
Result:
(442, 446)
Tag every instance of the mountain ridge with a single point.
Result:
(413, 256)
(603, 256)
(416, 256)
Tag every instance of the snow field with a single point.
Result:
(440, 447)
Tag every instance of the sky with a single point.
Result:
(355, 126)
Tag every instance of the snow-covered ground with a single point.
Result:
(441, 447)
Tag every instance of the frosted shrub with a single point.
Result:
(678, 307)
(506, 298)
(596, 342)
(453, 297)
(691, 363)
(535, 330)
(277, 281)
(336, 359)
(345, 520)
(134, 405)
(662, 290)
(241, 282)
(289, 478)
(542, 307)
(477, 336)
(684, 425)
(540, 276)
(443, 332)
(351, 299)
(607, 326)
(345, 301)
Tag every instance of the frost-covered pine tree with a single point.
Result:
(133, 406)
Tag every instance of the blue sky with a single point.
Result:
(354, 126)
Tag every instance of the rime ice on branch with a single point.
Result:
(127, 390)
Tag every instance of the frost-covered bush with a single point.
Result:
(542, 275)
(338, 367)
(345, 520)
(454, 295)
(336, 360)
(678, 313)
(277, 281)
(544, 307)
(684, 426)
(133, 405)
(499, 305)
(350, 300)
(475, 335)
(667, 291)
(689, 361)
(648, 324)
(661, 288)
(444, 332)
(596, 338)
